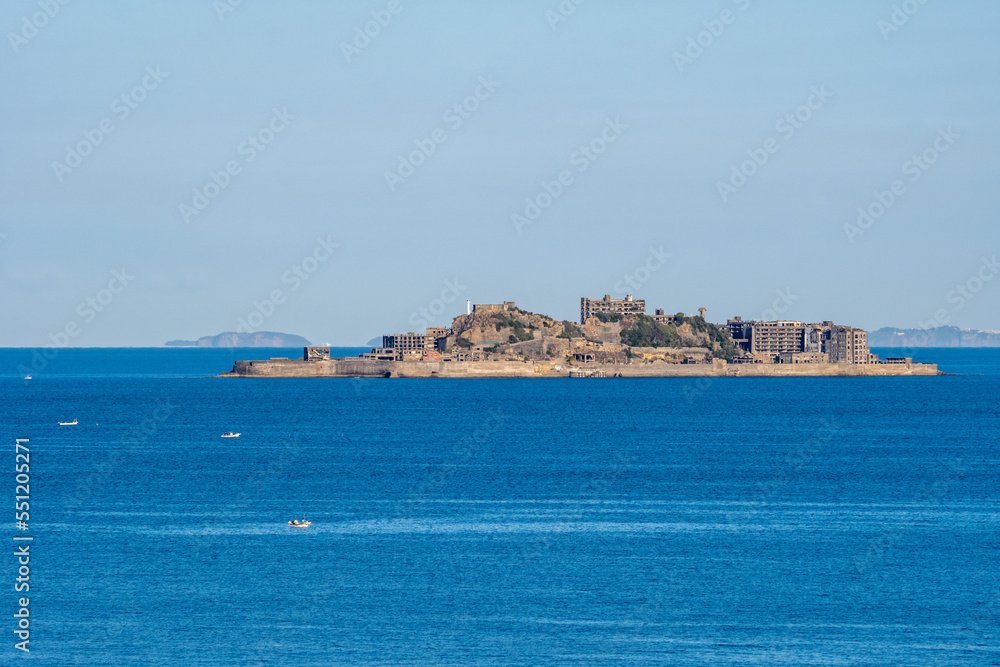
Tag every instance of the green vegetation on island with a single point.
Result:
(521, 333)
(503, 331)
(644, 331)
(570, 331)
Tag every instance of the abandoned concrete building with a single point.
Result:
(608, 305)
(409, 345)
(493, 307)
(316, 353)
(792, 342)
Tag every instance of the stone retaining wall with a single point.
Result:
(356, 367)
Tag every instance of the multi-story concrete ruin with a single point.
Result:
(407, 342)
(847, 345)
(407, 345)
(608, 305)
(792, 342)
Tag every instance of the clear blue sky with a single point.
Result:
(344, 116)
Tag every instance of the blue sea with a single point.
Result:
(728, 521)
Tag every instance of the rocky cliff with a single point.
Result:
(515, 334)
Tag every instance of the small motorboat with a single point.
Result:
(72, 423)
(230, 435)
(27, 377)
(295, 523)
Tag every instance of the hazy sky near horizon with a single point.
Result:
(169, 168)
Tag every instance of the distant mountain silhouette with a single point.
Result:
(375, 342)
(233, 339)
(936, 337)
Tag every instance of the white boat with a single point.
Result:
(72, 423)
(230, 435)
(27, 377)
(295, 523)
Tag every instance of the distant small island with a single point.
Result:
(936, 337)
(234, 339)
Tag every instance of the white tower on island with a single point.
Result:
(468, 307)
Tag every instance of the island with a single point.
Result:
(613, 338)
(234, 339)
(934, 337)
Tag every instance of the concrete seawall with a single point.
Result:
(355, 367)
